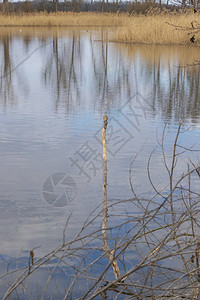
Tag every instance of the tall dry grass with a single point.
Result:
(154, 28)
(61, 19)
(158, 28)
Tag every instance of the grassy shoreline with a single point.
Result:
(158, 29)
(153, 28)
(61, 19)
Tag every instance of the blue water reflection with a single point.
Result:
(55, 87)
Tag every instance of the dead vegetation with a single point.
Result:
(153, 27)
(139, 248)
(160, 28)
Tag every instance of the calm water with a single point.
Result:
(55, 87)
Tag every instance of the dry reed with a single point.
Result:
(154, 28)
(157, 29)
(61, 19)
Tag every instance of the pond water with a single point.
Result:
(55, 87)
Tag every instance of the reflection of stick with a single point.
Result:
(109, 253)
(31, 260)
(32, 256)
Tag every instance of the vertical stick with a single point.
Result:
(105, 123)
(105, 209)
(109, 253)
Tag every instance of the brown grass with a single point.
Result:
(156, 29)
(152, 28)
(61, 19)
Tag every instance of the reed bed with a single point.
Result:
(62, 19)
(158, 29)
(155, 27)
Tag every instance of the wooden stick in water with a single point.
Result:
(109, 253)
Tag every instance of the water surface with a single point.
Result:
(55, 87)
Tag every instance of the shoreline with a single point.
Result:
(152, 29)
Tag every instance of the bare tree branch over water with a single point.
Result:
(149, 250)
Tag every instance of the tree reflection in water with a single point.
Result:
(83, 69)
(6, 75)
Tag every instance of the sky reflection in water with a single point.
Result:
(55, 88)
